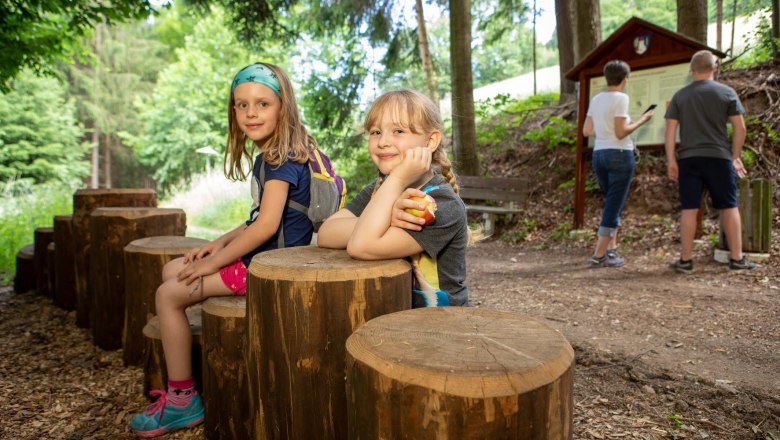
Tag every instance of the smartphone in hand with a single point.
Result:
(652, 107)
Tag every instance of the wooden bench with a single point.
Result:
(492, 196)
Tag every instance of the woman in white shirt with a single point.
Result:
(613, 157)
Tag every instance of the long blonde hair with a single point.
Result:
(417, 112)
(289, 141)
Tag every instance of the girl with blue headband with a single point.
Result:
(263, 118)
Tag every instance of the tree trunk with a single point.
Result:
(302, 304)
(588, 27)
(692, 19)
(112, 230)
(464, 134)
(43, 236)
(144, 260)
(565, 35)
(425, 53)
(84, 202)
(459, 373)
(775, 28)
(155, 370)
(51, 260)
(533, 46)
(107, 160)
(65, 273)
(733, 27)
(225, 394)
(719, 25)
(24, 279)
(95, 180)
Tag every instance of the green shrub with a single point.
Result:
(557, 132)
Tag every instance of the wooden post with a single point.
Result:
(84, 202)
(144, 260)
(755, 212)
(51, 260)
(155, 371)
(225, 391)
(302, 304)
(24, 279)
(112, 229)
(43, 236)
(65, 271)
(459, 373)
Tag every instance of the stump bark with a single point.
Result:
(43, 236)
(84, 202)
(65, 270)
(225, 390)
(155, 372)
(459, 373)
(51, 261)
(302, 305)
(24, 278)
(144, 260)
(112, 229)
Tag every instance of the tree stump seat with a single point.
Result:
(225, 390)
(302, 304)
(25, 276)
(84, 202)
(155, 371)
(144, 260)
(459, 373)
(112, 229)
(64, 294)
(43, 237)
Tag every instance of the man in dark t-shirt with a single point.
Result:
(706, 158)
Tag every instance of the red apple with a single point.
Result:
(428, 213)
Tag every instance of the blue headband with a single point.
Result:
(260, 74)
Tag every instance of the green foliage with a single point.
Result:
(561, 231)
(498, 115)
(187, 109)
(224, 215)
(22, 209)
(39, 134)
(557, 131)
(38, 34)
(520, 232)
(675, 420)
(762, 49)
(614, 13)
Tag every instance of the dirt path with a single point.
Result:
(659, 355)
(704, 346)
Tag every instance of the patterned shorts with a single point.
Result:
(234, 277)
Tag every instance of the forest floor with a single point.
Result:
(658, 354)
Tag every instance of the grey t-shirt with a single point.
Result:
(443, 260)
(703, 108)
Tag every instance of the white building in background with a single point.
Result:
(548, 79)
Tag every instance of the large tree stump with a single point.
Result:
(24, 278)
(459, 373)
(65, 270)
(155, 370)
(112, 230)
(43, 236)
(303, 303)
(84, 202)
(144, 261)
(225, 390)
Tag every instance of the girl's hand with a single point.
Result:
(201, 252)
(197, 269)
(416, 162)
(402, 219)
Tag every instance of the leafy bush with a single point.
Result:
(557, 131)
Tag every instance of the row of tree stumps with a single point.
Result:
(322, 347)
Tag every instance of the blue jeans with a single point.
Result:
(614, 170)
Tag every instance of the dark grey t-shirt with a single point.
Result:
(703, 108)
(443, 260)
